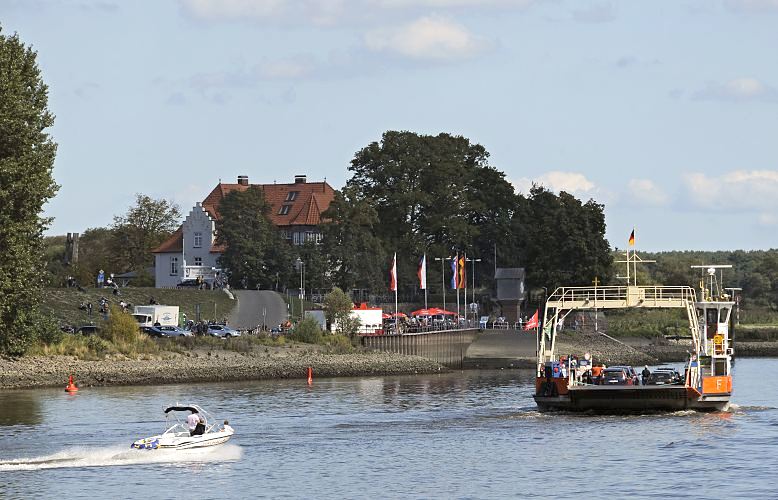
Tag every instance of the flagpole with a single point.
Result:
(464, 273)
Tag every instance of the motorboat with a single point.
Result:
(177, 435)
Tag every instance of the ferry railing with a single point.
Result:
(620, 296)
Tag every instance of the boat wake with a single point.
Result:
(121, 456)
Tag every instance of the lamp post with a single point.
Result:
(473, 266)
(301, 267)
(443, 276)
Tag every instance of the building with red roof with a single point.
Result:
(192, 252)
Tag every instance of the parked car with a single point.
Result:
(88, 330)
(188, 283)
(664, 376)
(616, 375)
(631, 373)
(167, 331)
(222, 331)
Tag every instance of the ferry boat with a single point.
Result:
(706, 384)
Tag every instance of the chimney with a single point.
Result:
(243, 180)
(299, 179)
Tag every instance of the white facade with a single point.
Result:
(196, 259)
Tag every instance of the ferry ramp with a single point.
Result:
(257, 307)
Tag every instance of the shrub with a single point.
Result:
(338, 344)
(121, 327)
(307, 331)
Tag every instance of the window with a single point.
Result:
(297, 238)
(198, 261)
(174, 266)
(198, 240)
(284, 209)
(292, 195)
(285, 235)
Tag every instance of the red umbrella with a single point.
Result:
(400, 315)
(422, 312)
(385, 315)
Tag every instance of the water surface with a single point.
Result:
(474, 434)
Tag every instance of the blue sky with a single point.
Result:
(665, 111)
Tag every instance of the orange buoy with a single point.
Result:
(310, 375)
(71, 385)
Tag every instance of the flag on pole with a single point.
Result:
(422, 272)
(533, 321)
(455, 274)
(393, 274)
(632, 238)
(462, 283)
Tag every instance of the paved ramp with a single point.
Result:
(257, 307)
(501, 349)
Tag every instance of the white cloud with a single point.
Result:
(596, 13)
(427, 38)
(330, 12)
(291, 68)
(571, 182)
(749, 6)
(737, 90)
(748, 190)
(644, 192)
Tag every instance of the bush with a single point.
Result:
(98, 346)
(121, 327)
(338, 344)
(307, 331)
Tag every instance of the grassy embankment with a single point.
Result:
(757, 324)
(119, 334)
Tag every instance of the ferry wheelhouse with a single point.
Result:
(705, 385)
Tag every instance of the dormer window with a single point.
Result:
(292, 195)
(284, 209)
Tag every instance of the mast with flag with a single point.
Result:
(455, 278)
(634, 265)
(393, 283)
(422, 274)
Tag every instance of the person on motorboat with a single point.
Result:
(196, 424)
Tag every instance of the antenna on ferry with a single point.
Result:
(715, 285)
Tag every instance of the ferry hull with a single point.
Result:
(631, 399)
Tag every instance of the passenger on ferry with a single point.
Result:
(645, 374)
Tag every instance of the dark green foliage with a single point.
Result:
(144, 227)
(307, 331)
(26, 160)
(433, 194)
(561, 241)
(255, 252)
(355, 253)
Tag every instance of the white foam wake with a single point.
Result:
(122, 455)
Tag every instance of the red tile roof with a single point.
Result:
(311, 200)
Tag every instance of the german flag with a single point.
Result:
(632, 238)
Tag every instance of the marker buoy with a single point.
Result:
(310, 375)
(71, 385)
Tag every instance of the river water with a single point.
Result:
(473, 434)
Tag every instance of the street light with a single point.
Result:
(443, 276)
(473, 266)
(301, 267)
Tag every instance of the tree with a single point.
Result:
(434, 194)
(145, 226)
(337, 310)
(355, 254)
(27, 155)
(562, 241)
(254, 251)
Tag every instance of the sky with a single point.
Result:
(664, 111)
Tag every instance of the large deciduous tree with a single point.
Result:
(145, 226)
(254, 251)
(27, 155)
(561, 241)
(355, 254)
(434, 194)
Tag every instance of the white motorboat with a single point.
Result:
(178, 437)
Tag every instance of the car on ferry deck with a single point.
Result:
(664, 376)
(617, 375)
